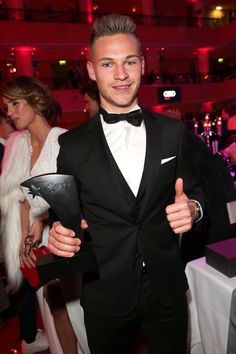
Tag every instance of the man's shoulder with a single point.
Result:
(162, 119)
(78, 133)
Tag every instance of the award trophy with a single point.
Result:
(60, 192)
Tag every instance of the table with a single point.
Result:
(212, 309)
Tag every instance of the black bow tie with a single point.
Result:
(135, 117)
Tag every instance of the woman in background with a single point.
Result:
(32, 151)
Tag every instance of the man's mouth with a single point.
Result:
(122, 87)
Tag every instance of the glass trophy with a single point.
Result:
(60, 192)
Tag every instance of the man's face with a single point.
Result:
(117, 66)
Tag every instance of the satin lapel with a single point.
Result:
(152, 160)
(105, 159)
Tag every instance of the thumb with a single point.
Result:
(180, 196)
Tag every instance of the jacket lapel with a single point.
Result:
(106, 160)
(152, 160)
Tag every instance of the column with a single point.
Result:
(16, 9)
(203, 60)
(86, 9)
(152, 60)
(198, 6)
(148, 11)
(23, 59)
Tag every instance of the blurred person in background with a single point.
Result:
(213, 176)
(229, 124)
(91, 99)
(229, 114)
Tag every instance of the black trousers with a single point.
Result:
(27, 312)
(165, 328)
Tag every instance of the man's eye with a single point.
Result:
(107, 65)
(14, 103)
(131, 62)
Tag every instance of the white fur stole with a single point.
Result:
(15, 169)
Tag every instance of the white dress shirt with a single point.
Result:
(127, 144)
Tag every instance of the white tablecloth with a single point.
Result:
(210, 294)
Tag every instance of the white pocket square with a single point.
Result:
(167, 159)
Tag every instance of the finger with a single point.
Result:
(83, 224)
(63, 245)
(60, 229)
(67, 251)
(181, 229)
(27, 262)
(179, 187)
(180, 222)
(33, 257)
(31, 260)
(176, 208)
(61, 240)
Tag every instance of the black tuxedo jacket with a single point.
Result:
(125, 230)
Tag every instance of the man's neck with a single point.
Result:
(119, 110)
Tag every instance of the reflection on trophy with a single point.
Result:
(60, 192)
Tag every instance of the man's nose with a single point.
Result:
(121, 73)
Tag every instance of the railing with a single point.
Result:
(48, 14)
(189, 78)
(156, 79)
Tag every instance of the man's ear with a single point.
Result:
(142, 65)
(91, 72)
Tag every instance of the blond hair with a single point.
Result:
(113, 24)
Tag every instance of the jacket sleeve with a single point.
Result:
(186, 170)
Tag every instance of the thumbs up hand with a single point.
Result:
(182, 213)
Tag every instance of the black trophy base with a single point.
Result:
(222, 256)
(52, 267)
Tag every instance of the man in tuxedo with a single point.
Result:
(137, 195)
